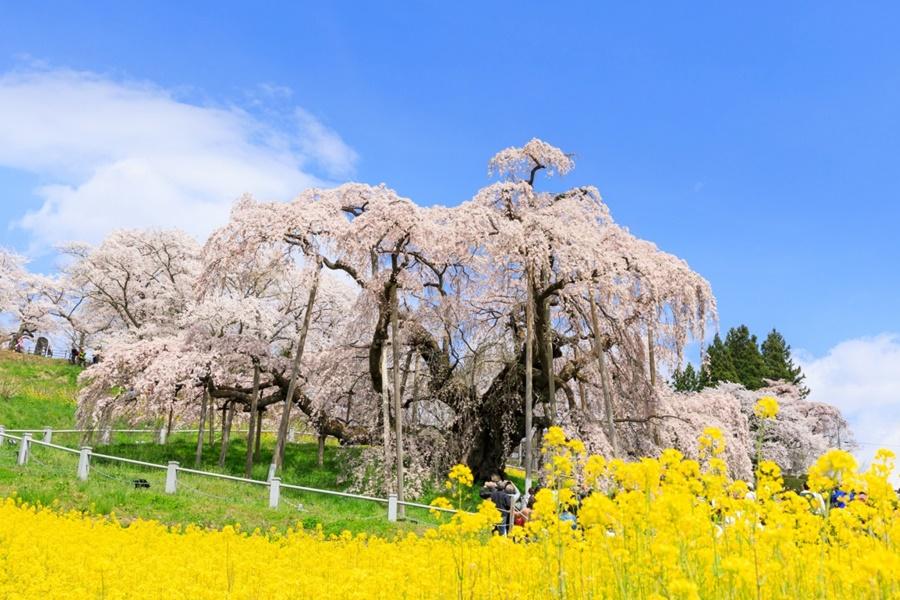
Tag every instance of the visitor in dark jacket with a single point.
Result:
(501, 500)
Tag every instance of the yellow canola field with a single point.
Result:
(658, 528)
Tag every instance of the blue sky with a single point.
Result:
(759, 142)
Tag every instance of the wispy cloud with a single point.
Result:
(121, 153)
(862, 378)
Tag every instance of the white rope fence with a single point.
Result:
(106, 433)
(274, 484)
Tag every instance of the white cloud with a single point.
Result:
(131, 154)
(862, 378)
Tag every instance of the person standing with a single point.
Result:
(501, 500)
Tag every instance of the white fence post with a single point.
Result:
(162, 435)
(84, 463)
(271, 473)
(48, 434)
(2, 434)
(274, 492)
(292, 435)
(392, 507)
(172, 477)
(23, 449)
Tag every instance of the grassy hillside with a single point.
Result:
(35, 392)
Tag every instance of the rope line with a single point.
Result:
(14, 440)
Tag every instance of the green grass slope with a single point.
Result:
(37, 392)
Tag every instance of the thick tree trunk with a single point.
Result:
(198, 456)
(485, 433)
(251, 432)
(284, 425)
(227, 420)
(489, 424)
(320, 455)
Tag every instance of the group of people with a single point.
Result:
(838, 498)
(515, 508)
(77, 356)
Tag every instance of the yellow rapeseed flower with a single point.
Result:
(462, 475)
(440, 502)
(766, 407)
(666, 527)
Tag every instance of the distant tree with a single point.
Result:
(746, 357)
(718, 365)
(687, 380)
(740, 359)
(21, 303)
(779, 365)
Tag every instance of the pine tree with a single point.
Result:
(703, 379)
(779, 365)
(746, 358)
(718, 365)
(687, 380)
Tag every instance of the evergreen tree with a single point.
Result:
(703, 379)
(779, 365)
(746, 358)
(718, 365)
(738, 359)
(687, 380)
